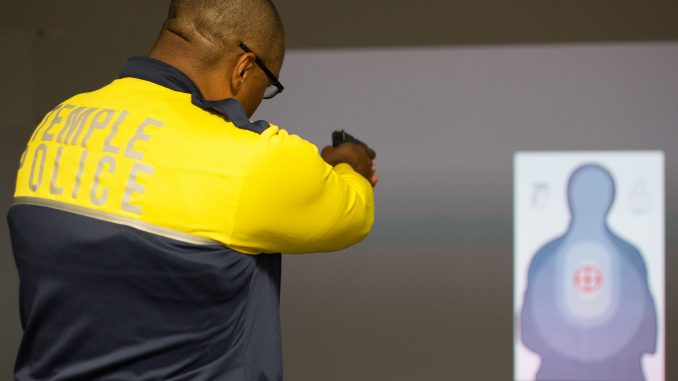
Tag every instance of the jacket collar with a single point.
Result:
(158, 72)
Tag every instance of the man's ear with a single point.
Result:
(242, 70)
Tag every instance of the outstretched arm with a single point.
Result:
(293, 201)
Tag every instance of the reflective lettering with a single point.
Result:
(130, 152)
(47, 136)
(53, 188)
(133, 186)
(99, 200)
(34, 183)
(69, 121)
(108, 144)
(78, 176)
(99, 122)
(74, 125)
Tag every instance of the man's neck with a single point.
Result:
(174, 50)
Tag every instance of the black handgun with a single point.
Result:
(341, 136)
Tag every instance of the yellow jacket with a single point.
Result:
(142, 154)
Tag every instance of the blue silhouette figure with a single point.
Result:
(588, 311)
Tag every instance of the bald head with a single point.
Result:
(213, 29)
(201, 39)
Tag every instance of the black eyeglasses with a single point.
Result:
(275, 87)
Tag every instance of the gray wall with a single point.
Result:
(428, 295)
(53, 49)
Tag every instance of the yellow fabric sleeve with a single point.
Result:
(292, 201)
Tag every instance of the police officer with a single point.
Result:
(148, 214)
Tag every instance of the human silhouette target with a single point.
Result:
(587, 309)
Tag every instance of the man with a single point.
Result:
(147, 213)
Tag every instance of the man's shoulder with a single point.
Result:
(134, 92)
(145, 99)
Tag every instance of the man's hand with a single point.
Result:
(358, 156)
